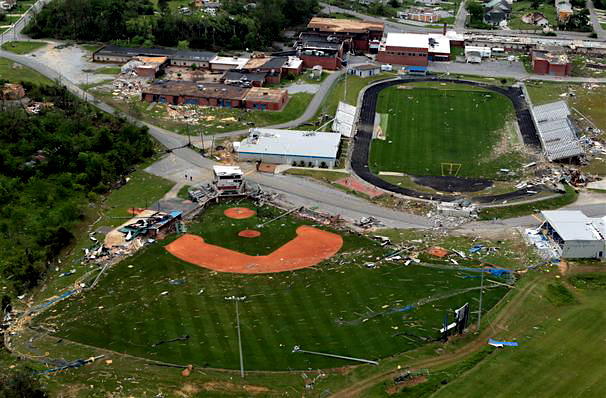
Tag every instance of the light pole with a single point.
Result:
(238, 299)
(481, 292)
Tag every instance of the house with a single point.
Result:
(575, 235)
(357, 35)
(496, 11)
(535, 18)
(319, 49)
(12, 92)
(563, 10)
(266, 99)
(226, 63)
(556, 132)
(293, 147)
(364, 70)
(414, 49)
(121, 55)
(190, 93)
(545, 62)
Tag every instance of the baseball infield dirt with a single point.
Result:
(249, 233)
(308, 248)
(239, 213)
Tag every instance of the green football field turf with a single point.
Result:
(339, 306)
(429, 126)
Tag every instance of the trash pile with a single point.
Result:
(544, 247)
(126, 87)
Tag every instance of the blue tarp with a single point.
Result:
(502, 343)
(416, 68)
(53, 301)
(493, 271)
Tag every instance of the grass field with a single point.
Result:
(339, 306)
(560, 354)
(23, 47)
(16, 73)
(428, 126)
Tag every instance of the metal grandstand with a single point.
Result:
(556, 132)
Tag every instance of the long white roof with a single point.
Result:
(573, 224)
(414, 40)
(291, 143)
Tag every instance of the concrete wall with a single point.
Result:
(584, 249)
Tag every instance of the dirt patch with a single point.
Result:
(249, 233)
(310, 247)
(231, 387)
(188, 390)
(239, 213)
(135, 210)
(356, 185)
(408, 383)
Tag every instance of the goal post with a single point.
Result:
(450, 169)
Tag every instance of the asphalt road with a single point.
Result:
(597, 27)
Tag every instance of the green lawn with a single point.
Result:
(560, 352)
(107, 70)
(521, 8)
(23, 47)
(322, 175)
(15, 72)
(429, 126)
(338, 307)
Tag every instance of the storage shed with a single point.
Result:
(575, 234)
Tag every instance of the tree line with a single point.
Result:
(52, 165)
(237, 26)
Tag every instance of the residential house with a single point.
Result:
(564, 10)
(497, 11)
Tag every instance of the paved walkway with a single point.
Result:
(595, 22)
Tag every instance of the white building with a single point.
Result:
(226, 63)
(293, 147)
(364, 70)
(556, 132)
(228, 179)
(575, 235)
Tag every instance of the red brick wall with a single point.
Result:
(560, 70)
(360, 44)
(330, 63)
(294, 71)
(391, 58)
(540, 66)
(271, 80)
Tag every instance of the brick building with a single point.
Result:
(265, 99)
(547, 63)
(319, 49)
(122, 55)
(177, 92)
(357, 35)
(413, 49)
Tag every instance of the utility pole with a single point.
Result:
(237, 299)
(481, 292)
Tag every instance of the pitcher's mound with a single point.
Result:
(249, 233)
(239, 213)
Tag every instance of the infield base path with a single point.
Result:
(308, 248)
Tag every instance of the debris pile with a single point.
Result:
(126, 87)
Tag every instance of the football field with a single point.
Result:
(448, 129)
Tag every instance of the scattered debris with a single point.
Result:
(182, 338)
(501, 344)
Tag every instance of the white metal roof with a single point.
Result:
(291, 143)
(441, 44)
(572, 224)
(344, 119)
(238, 63)
(555, 130)
(412, 40)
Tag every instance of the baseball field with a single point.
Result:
(156, 305)
(444, 129)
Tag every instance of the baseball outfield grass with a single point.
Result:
(339, 306)
(561, 351)
(448, 129)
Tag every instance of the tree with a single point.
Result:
(183, 45)
(476, 11)
(394, 3)
(21, 384)
(535, 4)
